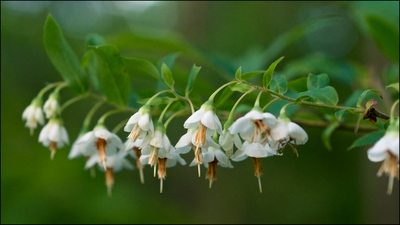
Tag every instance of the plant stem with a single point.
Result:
(71, 101)
(48, 87)
(237, 102)
(219, 89)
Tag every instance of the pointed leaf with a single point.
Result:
(368, 139)
(141, 68)
(395, 86)
(192, 77)
(278, 84)
(326, 95)
(241, 88)
(238, 74)
(317, 81)
(111, 73)
(167, 76)
(249, 75)
(268, 73)
(63, 57)
(326, 135)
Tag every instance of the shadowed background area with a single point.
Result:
(319, 186)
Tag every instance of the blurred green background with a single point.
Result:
(319, 186)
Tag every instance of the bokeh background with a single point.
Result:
(319, 186)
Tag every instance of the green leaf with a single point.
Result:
(141, 68)
(300, 99)
(167, 76)
(268, 73)
(169, 60)
(386, 37)
(192, 77)
(326, 135)
(298, 85)
(278, 84)
(95, 40)
(395, 86)
(326, 95)
(368, 139)
(156, 101)
(249, 75)
(224, 96)
(63, 57)
(317, 81)
(238, 74)
(111, 73)
(362, 96)
(241, 88)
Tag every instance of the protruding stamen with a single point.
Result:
(52, 153)
(109, 180)
(258, 170)
(134, 135)
(155, 170)
(198, 169)
(139, 165)
(212, 171)
(92, 172)
(200, 137)
(53, 149)
(161, 185)
(390, 185)
(141, 175)
(101, 148)
(259, 184)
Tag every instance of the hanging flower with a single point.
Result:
(52, 106)
(387, 150)
(114, 163)
(54, 135)
(33, 114)
(227, 140)
(211, 157)
(100, 141)
(140, 124)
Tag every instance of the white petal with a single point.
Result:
(208, 120)
(55, 132)
(241, 124)
(222, 158)
(255, 150)
(194, 118)
(183, 150)
(239, 156)
(64, 135)
(210, 143)
(102, 133)
(237, 141)
(269, 119)
(297, 133)
(254, 115)
(144, 122)
(279, 132)
(144, 159)
(208, 157)
(91, 161)
(44, 133)
(184, 140)
(146, 150)
(157, 140)
(166, 143)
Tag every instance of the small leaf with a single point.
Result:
(156, 101)
(249, 75)
(111, 73)
(317, 81)
(298, 85)
(63, 57)
(362, 96)
(169, 60)
(95, 40)
(278, 84)
(192, 77)
(326, 135)
(141, 68)
(238, 74)
(368, 139)
(395, 86)
(386, 37)
(326, 95)
(241, 88)
(268, 73)
(167, 76)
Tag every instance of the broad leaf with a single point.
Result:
(113, 77)
(326, 95)
(368, 139)
(241, 87)
(192, 77)
(140, 68)
(238, 74)
(278, 84)
(268, 73)
(317, 81)
(63, 57)
(167, 76)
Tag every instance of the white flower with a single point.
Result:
(205, 116)
(211, 157)
(33, 114)
(256, 150)
(387, 150)
(51, 106)
(285, 132)
(136, 153)
(100, 141)
(226, 140)
(54, 135)
(140, 124)
(115, 163)
(76, 150)
(255, 126)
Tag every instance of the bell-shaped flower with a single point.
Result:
(387, 150)
(140, 124)
(286, 132)
(54, 135)
(100, 141)
(33, 114)
(212, 157)
(254, 126)
(255, 149)
(114, 163)
(227, 140)
(204, 118)
(52, 106)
